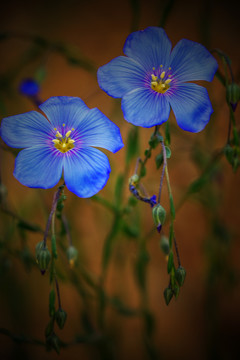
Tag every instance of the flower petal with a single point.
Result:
(96, 129)
(120, 75)
(86, 172)
(38, 167)
(25, 130)
(191, 106)
(150, 47)
(64, 110)
(144, 107)
(192, 61)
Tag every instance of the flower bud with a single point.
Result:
(233, 95)
(159, 216)
(180, 275)
(168, 294)
(164, 244)
(43, 257)
(60, 316)
(53, 342)
(72, 255)
(134, 179)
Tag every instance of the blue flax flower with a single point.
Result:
(62, 142)
(29, 87)
(151, 79)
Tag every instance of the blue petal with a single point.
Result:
(120, 75)
(192, 61)
(86, 172)
(150, 47)
(144, 107)
(25, 130)
(64, 110)
(191, 106)
(29, 87)
(96, 129)
(38, 167)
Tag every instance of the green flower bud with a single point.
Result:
(72, 255)
(168, 294)
(180, 275)
(43, 257)
(60, 316)
(164, 244)
(134, 179)
(159, 216)
(53, 342)
(233, 95)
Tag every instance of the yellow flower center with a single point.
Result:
(162, 83)
(65, 143)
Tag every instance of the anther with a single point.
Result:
(68, 133)
(162, 75)
(58, 134)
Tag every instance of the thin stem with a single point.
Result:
(58, 294)
(177, 253)
(66, 227)
(163, 171)
(54, 206)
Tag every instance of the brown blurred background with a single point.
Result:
(204, 321)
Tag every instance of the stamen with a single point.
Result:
(162, 75)
(71, 141)
(58, 134)
(68, 133)
(158, 82)
(56, 141)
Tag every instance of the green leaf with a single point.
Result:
(132, 144)
(168, 152)
(172, 208)
(170, 263)
(167, 133)
(54, 246)
(147, 153)
(141, 265)
(197, 185)
(119, 190)
(143, 171)
(52, 303)
(159, 160)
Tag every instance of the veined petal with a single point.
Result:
(96, 129)
(38, 167)
(150, 47)
(144, 107)
(86, 172)
(120, 76)
(25, 130)
(192, 61)
(191, 106)
(64, 110)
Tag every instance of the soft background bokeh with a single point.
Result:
(204, 321)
